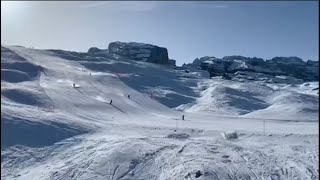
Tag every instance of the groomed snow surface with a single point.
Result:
(231, 130)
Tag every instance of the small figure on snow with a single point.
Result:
(128, 96)
(90, 74)
(74, 85)
(111, 101)
(182, 117)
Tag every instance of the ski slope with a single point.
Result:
(51, 130)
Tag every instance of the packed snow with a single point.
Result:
(231, 130)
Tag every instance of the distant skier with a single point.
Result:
(111, 101)
(74, 85)
(90, 74)
(182, 117)
(128, 96)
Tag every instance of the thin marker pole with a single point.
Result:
(176, 124)
(264, 127)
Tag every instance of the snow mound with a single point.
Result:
(232, 98)
(15, 68)
(256, 100)
(289, 106)
(21, 131)
(14, 76)
(26, 96)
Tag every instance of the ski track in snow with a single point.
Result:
(163, 158)
(131, 139)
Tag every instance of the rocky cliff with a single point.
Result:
(140, 52)
(288, 66)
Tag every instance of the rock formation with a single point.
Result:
(140, 52)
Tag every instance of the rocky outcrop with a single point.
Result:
(140, 52)
(313, 63)
(288, 66)
(295, 67)
(211, 64)
(94, 51)
(172, 62)
(197, 62)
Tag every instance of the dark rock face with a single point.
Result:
(94, 51)
(172, 62)
(289, 66)
(313, 63)
(140, 52)
(215, 66)
(198, 62)
(296, 67)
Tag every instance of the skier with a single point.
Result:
(111, 101)
(128, 96)
(182, 117)
(90, 74)
(74, 85)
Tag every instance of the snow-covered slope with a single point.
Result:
(52, 130)
(259, 100)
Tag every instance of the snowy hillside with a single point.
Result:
(257, 99)
(57, 121)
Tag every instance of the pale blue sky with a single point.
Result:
(188, 29)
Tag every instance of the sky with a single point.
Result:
(188, 29)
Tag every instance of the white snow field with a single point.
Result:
(232, 130)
